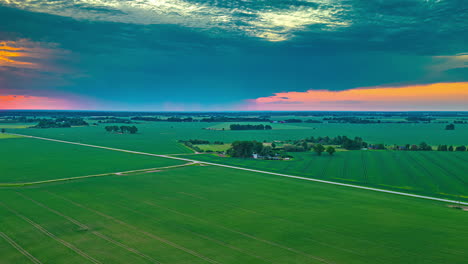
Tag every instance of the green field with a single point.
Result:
(162, 137)
(216, 215)
(441, 174)
(210, 214)
(5, 136)
(28, 160)
(214, 147)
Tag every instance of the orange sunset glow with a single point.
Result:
(22, 54)
(378, 98)
(34, 102)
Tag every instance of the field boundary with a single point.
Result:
(253, 170)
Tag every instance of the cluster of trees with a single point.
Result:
(451, 148)
(343, 141)
(417, 119)
(319, 149)
(234, 119)
(19, 119)
(245, 149)
(450, 127)
(122, 129)
(114, 120)
(293, 120)
(250, 127)
(351, 120)
(169, 119)
(60, 122)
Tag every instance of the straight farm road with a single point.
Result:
(253, 170)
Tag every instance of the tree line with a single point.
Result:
(121, 129)
(250, 127)
(61, 122)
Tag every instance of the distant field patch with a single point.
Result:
(15, 126)
(28, 160)
(5, 136)
(214, 147)
(441, 174)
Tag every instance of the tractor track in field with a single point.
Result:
(257, 171)
(198, 234)
(364, 167)
(54, 237)
(241, 233)
(150, 235)
(85, 227)
(20, 249)
(447, 171)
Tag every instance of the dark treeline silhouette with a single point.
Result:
(60, 122)
(450, 127)
(234, 119)
(344, 141)
(351, 120)
(169, 119)
(121, 129)
(249, 127)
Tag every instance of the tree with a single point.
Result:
(450, 148)
(319, 148)
(132, 129)
(424, 146)
(245, 149)
(109, 128)
(442, 148)
(3, 130)
(450, 127)
(330, 150)
(460, 148)
(273, 145)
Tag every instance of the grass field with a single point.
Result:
(441, 174)
(27, 160)
(5, 136)
(213, 147)
(162, 137)
(204, 214)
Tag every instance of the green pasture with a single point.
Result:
(162, 137)
(5, 136)
(205, 214)
(27, 160)
(15, 126)
(441, 174)
(213, 147)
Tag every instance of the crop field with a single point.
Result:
(205, 214)
(29, 160)
(214, 147)
(441, 174)
(162, 137)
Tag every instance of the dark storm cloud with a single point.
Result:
(229, 51)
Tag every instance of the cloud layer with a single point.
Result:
(440, 96)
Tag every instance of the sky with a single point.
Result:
(219, 55)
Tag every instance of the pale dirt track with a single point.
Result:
(253, 170)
